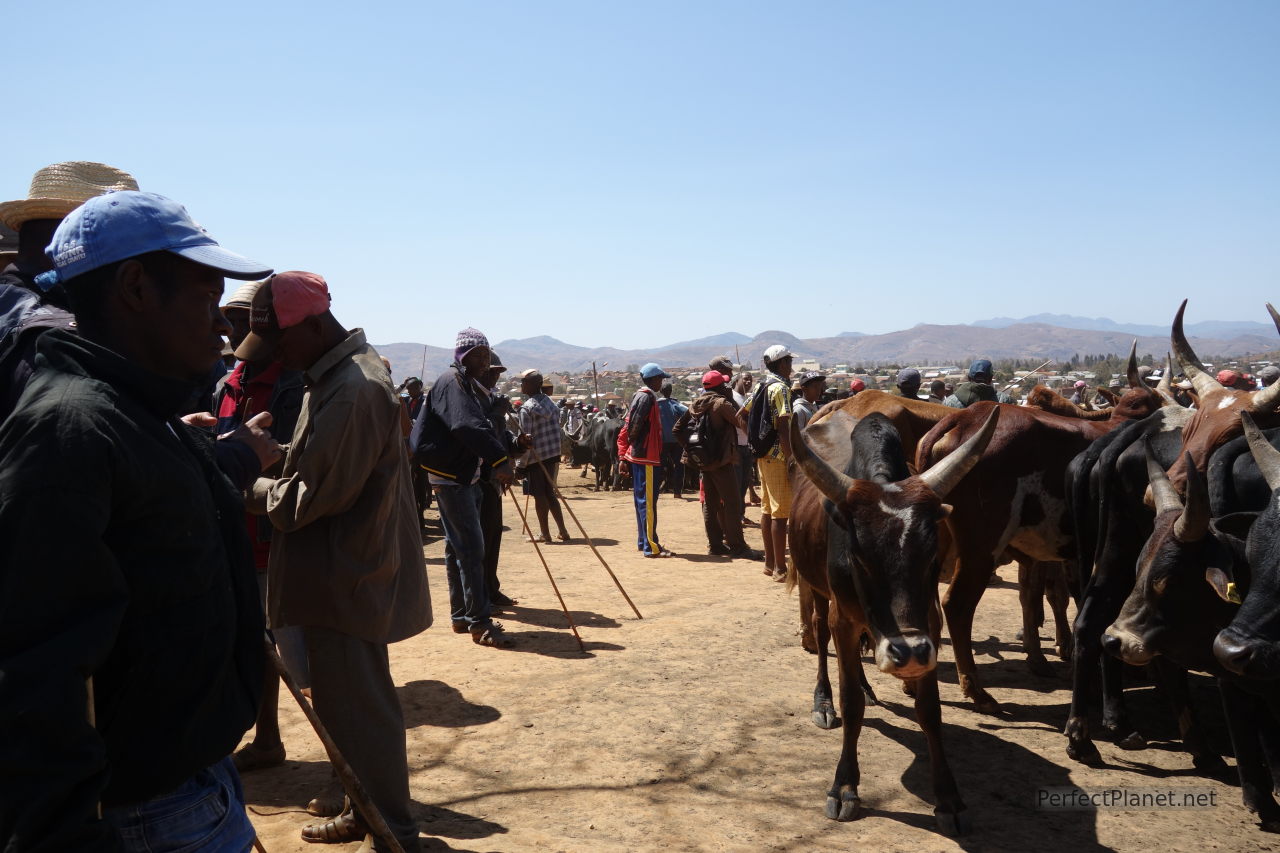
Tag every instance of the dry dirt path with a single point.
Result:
(690, 729)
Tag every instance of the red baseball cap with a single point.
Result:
(284, 300)
(857, 385)
(713, 379)
(1228, 377)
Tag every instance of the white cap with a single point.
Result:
(777, 352)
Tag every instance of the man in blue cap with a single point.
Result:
(978, 387)
(131, 633)
(640, 447)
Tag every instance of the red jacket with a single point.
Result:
(640, 439)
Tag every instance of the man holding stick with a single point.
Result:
(538, 420)
(346, 560)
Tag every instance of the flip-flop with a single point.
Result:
(494, 636)
(345, 827)
(329, 803)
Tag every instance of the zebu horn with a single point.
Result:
(1165, 386)
(832, 483)
(943, 476)
(1135, 381)
(1162, 491)
(1267, 457)
(1193, 524)
(1191, 364)
(1265, 399)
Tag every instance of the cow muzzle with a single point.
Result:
(1251, 658)
(1126, 646)
(908, 655)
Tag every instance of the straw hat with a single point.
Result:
(59, 189)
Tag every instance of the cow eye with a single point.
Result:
(1158, 585)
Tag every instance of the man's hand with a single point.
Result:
(254, 433)
(200, 419)
(525, 441)
(624, 467)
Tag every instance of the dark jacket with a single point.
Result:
(723, 423)
(23, 319)
(123, 557)
(453, 432)
(969, 393)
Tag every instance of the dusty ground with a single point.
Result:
(690, 729)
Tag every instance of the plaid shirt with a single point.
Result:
(541, 419)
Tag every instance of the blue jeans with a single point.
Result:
(206, 812)
(644, 486)
(464, 555)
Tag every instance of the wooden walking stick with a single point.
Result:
(547, 569)
(587, 536)
(350, 783)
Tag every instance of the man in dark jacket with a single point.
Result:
(130, 638)
(722, 499)
(454, 441)
(977, 388)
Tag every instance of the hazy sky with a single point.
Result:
(637, 174)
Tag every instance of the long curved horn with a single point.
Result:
(943, 476)
(1166, 497)
(1193, 524)
(1191, 364)
(1165, 386)
(832, 483)
(1135, 381)
(1267, 457)
(1266, 399)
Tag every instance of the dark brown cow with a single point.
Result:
(1014, 503)
(871, 546)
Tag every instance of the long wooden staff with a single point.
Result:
(350, 783)
(587, 536)
(547, 569)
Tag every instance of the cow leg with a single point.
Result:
(1251, 725)
(1115, 715)
(808, 617)
(1031, 597)
(1173, 679)
(1059, 594)
(843, 802)
(824, 710)
(1099, 606)
(959, 604)
(950, 813)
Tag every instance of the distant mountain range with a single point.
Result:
(1207, 329)
(920, 345)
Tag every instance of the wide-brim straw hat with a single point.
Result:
(59, 189)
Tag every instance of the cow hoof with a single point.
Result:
(1132, 741)
(953, 824)
(983, 701)
(1064, 651)
(846, 807)
(1269, 824)
(1214, 767)
(1041, 667)
(1084, 751)
(824, 716)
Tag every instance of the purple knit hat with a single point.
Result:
(468, 339)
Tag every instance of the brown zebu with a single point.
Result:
(1014, 503)
(864, 532)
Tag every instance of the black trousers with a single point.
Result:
(722, 508)
(491, 524)
(672, 468)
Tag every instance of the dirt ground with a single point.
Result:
(690, 729)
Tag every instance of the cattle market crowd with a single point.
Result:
(202, 494)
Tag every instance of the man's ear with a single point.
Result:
(132, 284)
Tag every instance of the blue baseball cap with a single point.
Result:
(121, 225)
(980, 366)
(651, 370)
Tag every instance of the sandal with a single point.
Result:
(493, 635)
(345, 827)
(253, 757)
(331, 802)
(661, 553)
(562, 536)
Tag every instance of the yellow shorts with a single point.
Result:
(775, 487)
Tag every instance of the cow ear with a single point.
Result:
(1222, 584)
(945, 510)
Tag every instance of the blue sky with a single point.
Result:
(636, 174)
